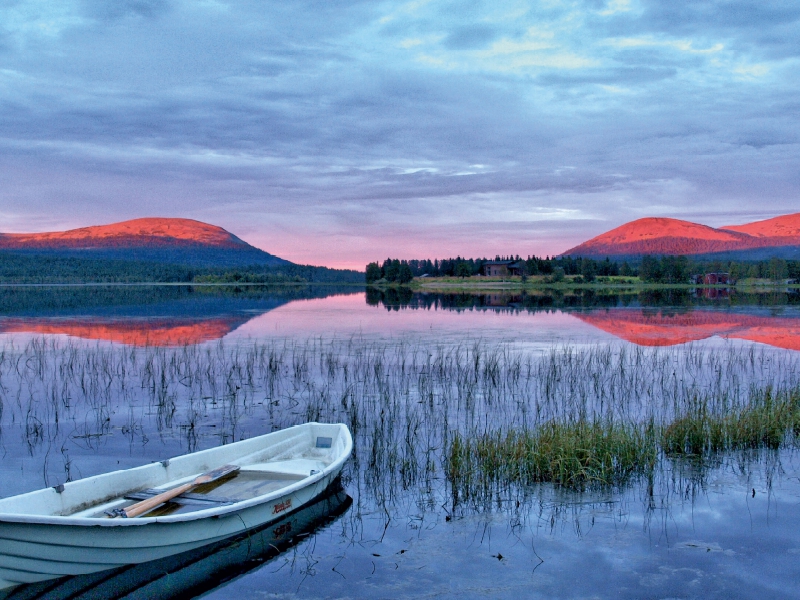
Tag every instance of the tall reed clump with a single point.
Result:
(770, 419)
(583, 453)
(576, 454)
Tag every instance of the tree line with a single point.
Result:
(678, 269)
(394, 270)
(35, 268)
(651, 269)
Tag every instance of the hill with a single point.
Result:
(786, 227)
(780, 235)
(156, 240)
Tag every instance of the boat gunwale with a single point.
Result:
(218, 511)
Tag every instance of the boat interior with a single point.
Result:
(246, 483)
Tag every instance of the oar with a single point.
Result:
(134, 510)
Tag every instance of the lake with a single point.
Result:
(97, 378)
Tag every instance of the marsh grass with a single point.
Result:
(584, 454)
(426, 417)
(578, 454)
(770, 419)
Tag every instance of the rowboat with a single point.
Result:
(79, 527)
(190, 574)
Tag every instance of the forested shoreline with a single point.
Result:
(47, 269)
(651, 269)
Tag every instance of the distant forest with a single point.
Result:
(40, 269)
(402, 271)
(654, 269)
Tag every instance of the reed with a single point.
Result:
(424, 415)
(770, 419)
(575, 454)
(580, 454)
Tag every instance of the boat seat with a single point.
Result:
(295, 467)
(186, 498)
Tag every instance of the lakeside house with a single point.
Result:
(503, 268)
(712, 279)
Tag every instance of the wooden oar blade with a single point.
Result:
(216, 474)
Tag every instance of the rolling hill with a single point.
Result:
(779, 236)
(786, 227)
(155, 240)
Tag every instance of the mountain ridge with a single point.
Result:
(662, 235)
(148, 229)
(155, 239)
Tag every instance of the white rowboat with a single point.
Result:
(191, 574)
(66, 530)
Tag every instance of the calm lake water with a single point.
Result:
(98, 378)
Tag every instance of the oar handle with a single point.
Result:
(142, 507)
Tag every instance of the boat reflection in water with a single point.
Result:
(197, 571)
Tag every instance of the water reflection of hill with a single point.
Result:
(647, 328)
(653, 318)
(144, 315)
(136, 332)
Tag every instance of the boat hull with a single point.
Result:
(192, 573)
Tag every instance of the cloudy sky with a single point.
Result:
(334, 132)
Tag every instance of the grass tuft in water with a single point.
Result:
(768, 420)
(581, 454)
(576, 454)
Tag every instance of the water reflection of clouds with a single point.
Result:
(344, 316)
(717, 542)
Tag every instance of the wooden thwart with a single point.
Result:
(186, 498)
(147, 505)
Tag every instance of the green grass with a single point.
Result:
(580, 454)
(576, 454)
(768, 421)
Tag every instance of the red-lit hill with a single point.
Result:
(180, 241)
(786, 227)
(673, 236)
(138, 232)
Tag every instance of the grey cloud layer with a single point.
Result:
(339, 113)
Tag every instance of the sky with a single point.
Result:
(337, 133)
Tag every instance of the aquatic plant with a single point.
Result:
(575, 454)
(770, 419)
(579, 417)
(583, 453)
